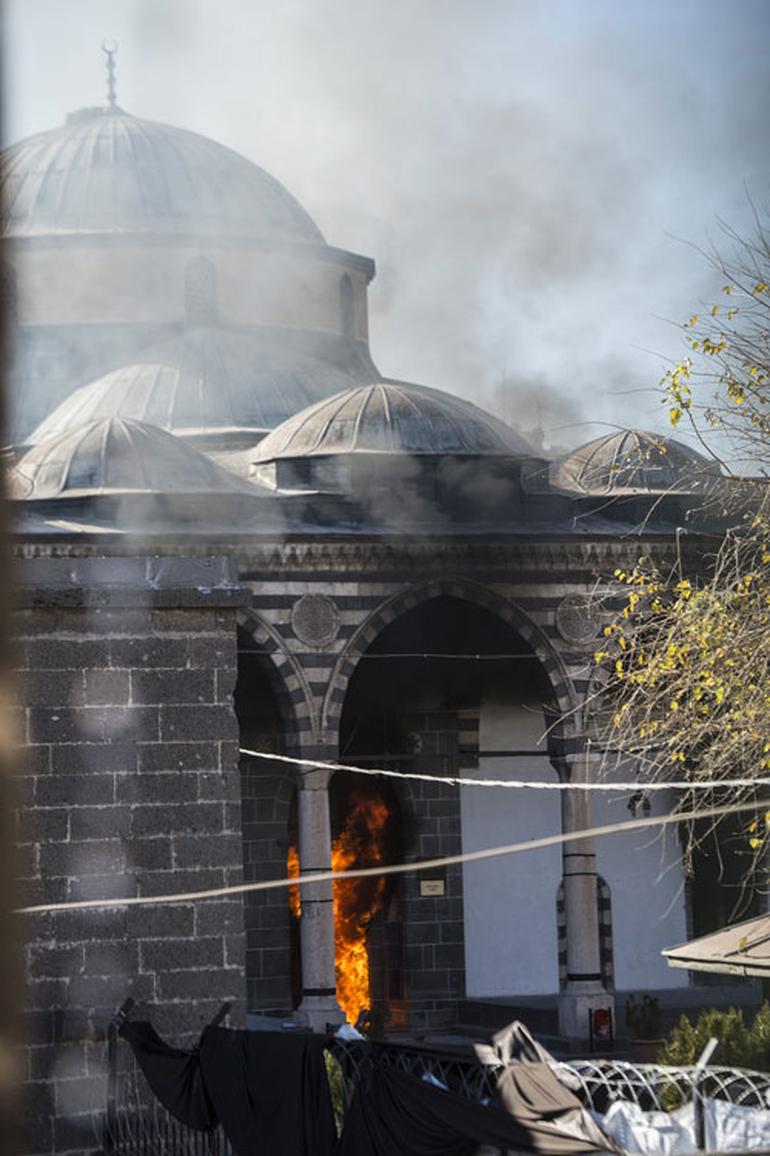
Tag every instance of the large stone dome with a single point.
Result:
(116, 457)
(214, 385)
(633, 461)
(105, 171)
(394, 418)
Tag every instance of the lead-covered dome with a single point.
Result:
(105, 171)
(634, 461)
(114, 457)
(212, 385)
(392, 418)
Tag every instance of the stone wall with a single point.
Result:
(129, 786)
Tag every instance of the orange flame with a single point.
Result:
(356, 901)
(292, 870)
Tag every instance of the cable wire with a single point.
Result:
(510, 784)
(394, 868)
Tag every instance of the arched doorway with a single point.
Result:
(447, 688)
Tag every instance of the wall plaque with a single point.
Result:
(315, 619)
(577, 618)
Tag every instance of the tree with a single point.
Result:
(687, 658)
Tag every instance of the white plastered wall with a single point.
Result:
(644, 872)
(510, 903)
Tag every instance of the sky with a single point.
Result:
(536, 181)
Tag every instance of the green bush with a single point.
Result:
(740, 1046)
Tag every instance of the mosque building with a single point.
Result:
(235, 534)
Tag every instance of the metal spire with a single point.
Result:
(109, 48)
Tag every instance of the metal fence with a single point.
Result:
(136, 1124)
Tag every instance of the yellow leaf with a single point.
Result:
(743, 943)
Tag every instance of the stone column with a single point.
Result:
(319, 988)
(583, 990)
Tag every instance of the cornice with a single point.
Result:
(360, 556)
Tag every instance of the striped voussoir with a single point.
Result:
(287, 679)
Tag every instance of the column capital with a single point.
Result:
(314, 778)
(577, 762)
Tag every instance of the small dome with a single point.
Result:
(633, 461)
(207, 383)
(105, 171)
(393, 418)
(118, 457)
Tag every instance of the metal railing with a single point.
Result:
(136, 1124)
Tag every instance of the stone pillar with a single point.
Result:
(319, 986)
(583, 990)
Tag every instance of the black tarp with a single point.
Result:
(174, 1076)
(270, 1092)
(397, 1114)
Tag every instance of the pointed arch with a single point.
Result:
(464, 590)
(287, 679)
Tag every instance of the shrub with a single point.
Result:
(739, 1046)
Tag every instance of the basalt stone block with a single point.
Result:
(149, 855)
(167, 756)
(148, 819)
(228, 983)
(94, 758)
(99, 822)
(143, 653)
(176, 686)
(169, 921)
(182, 954)
(53, 961)
(205, 851)
(110, 958)
(185, 723)
(51, 688)
(107, 687)
(43, 824)
(67, 653)
(75, 790)
(163, 787)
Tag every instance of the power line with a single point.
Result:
(510, 784)
(394, 868)
(417, 654)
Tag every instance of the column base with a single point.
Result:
(576, 1003)
(317, 1011)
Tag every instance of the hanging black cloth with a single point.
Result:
(268, 1090)
(174, 1076)
(400, 1115)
